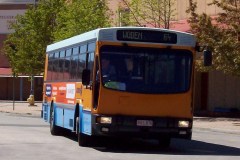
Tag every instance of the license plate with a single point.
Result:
(148, 123)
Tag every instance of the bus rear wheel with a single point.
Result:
(55, 130)
(82, 138)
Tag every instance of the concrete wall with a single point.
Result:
(224, 91)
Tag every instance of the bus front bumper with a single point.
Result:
(150, 127)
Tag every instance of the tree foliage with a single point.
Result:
(154, 13)
(80, 16)
(50, 21)
(26, 47)
(221, 33)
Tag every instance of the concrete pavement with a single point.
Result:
(22, 108)
(228, 125)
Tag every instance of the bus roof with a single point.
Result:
(110, 34)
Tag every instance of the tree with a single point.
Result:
(221, 34)
(80, 16)
(26, 47)
(154, 13)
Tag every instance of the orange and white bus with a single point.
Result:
(146, 90)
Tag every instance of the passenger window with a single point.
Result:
(55, 66)
(82, 65)
(83, 49)
(74, 66)
(69, 52)
(91, 47)
(50, 66)
(61, 65)
(75, 50)
(90, 63)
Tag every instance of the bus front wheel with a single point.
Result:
(164, 142)
(82, 138)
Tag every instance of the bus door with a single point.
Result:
(87, 89)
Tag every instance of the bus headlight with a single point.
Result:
(104, 120)
(183, 124)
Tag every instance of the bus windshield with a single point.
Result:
(145, 70)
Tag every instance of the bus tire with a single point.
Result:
(82, 138)
(164, 142)
(55, 130)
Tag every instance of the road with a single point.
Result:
(28, 138)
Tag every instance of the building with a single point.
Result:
(8, 11)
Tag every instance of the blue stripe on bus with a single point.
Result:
(85, 121)
(58, 116)
(64, 117)
(68, 119)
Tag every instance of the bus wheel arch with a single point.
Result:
(76, 115)
(83, 139)
(55, 130)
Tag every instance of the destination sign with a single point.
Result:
(147, 36)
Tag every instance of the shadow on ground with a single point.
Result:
(178, 147)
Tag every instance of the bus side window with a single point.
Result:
(74, 63)
(91, 47)
(55, 66)
(50, 67)
(83, 49)
(82, 64)
(90, 63)
(61, 65)
(91, 50)
(81, 61)
(66, 70)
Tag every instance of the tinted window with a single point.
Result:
(68, 52)
(91, 62)
(74, 66)
(82, 64)
(91, 47)
(55, 66)
(62, 54)
(50, 66)
(83, 49)
(146, 70)
(75, 50)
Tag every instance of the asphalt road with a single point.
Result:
(28, 138)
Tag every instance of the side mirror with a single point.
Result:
(86, 77)
(207, 55)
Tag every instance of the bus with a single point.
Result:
(121, 82)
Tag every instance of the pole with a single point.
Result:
(21, 88)
(13, 90)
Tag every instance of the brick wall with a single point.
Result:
(6, 88)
